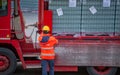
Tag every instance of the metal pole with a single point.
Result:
(40, 14)
(16, 7)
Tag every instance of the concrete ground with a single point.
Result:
(20, 71)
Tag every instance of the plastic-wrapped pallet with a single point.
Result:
(117, 25)
(99, 20)
(70, 21)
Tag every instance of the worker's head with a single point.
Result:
(46, 29)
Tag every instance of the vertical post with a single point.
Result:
(40, 14)
(46, 4)
(114, 33)
(16, 7)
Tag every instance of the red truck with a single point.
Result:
(88, 34)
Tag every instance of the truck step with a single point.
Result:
(33, 64)
(31, 54)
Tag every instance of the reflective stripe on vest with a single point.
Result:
(48, 48)
(42, 54)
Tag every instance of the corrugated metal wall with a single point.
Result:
(80, 19)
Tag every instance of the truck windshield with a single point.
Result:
(3, 7)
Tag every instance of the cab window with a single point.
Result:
(3, 7)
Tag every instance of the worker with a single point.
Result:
(47, 43)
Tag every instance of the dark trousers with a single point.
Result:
(50, 63)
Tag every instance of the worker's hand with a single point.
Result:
(26, 27)
(36, 23)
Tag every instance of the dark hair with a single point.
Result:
(45, 32)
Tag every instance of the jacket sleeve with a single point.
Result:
(40, 37)
(53, 40)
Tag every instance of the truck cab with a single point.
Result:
(14, 46)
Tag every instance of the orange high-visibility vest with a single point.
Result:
(47, 49)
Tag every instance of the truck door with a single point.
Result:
(4, 19)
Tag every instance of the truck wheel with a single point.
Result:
(8, 61)
(101, 70)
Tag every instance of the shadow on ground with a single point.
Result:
(21, 71)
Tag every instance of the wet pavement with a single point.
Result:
(21, 71)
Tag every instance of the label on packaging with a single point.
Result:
(72, 3)
(106, 3)
(93, 10)
(59, 11)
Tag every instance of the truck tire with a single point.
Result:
(101, 70)
(8, 62)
